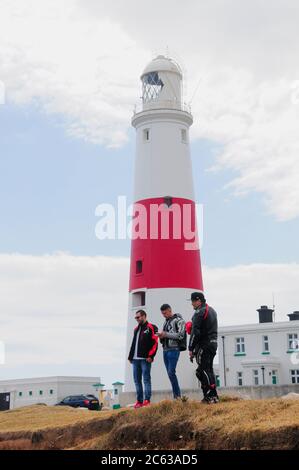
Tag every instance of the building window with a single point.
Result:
(255, 377)
(146, 135)
(138, 299)
(266, 348)
(184, 135)
(240, 379)
(293, 341)
(40, 392)
(240, 346)
(139, 266)
(295, 376)
(30, 393)
(51, 392)
(20, 394)
(115, 391)
(151, 86)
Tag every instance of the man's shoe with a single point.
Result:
(214, 399)
(138, 404)
(206, 401)
(210, 400)
(146, 402)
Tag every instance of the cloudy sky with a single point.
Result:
(70, 74)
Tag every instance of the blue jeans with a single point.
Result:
(142, 369)
(170, 360)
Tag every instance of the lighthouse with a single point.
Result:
(165, 264)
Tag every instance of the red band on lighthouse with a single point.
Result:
(161, 255)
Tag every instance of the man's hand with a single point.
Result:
(161, 334)
(149, 359)
(191, 356)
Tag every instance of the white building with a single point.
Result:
(49, 390)
(266, 353)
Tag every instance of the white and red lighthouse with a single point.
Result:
(164, 269)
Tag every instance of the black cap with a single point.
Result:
(164, 307)
(198, 296)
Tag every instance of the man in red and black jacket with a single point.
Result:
(142, 352)
(203, 345)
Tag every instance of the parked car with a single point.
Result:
(83, 401)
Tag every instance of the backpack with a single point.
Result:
(182, 344)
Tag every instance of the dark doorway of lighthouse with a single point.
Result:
(4, 401)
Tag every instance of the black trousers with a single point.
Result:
(204, 372)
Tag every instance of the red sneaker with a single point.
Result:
(146, 402)
(138, 404)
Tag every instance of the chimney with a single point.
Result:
(265, 314)
(294, 315)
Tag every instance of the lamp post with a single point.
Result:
(224, 365)
(263, 372)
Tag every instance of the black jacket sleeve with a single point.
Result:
(132, 348)
(196, 328)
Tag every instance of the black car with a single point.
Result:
(83, 401)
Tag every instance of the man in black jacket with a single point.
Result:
(142, 352)
(203, 345)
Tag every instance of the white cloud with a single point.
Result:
(61, 309)
(237, 291)
(85, 69)
(257, 125)
(82, 59)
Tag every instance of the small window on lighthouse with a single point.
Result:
(138, 299)
(139, 266)
(146, 135)
(184, 135)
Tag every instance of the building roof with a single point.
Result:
(256, 327)
(162, 64)
(56, 378)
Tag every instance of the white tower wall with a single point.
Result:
(163, 169)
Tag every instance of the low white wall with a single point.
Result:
(265, 391)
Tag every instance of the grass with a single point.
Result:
(231, 424)
(36, 417)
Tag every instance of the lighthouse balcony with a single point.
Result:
(162, 113)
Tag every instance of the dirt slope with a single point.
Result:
(239, 424)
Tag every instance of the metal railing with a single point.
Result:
(161, 104)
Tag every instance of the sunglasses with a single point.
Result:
(137, 318)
